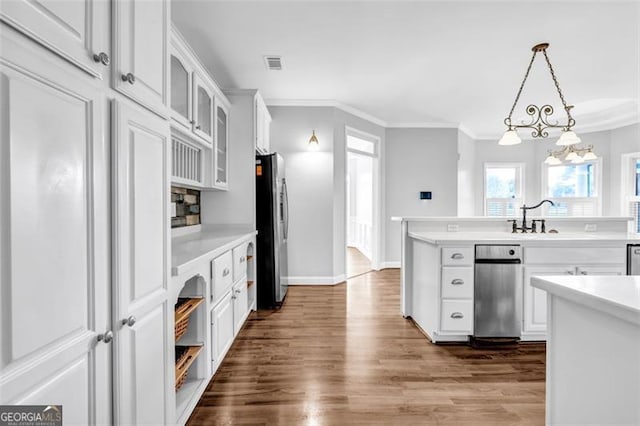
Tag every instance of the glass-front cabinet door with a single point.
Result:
(180, 91)
(222, 147)
(202, 109)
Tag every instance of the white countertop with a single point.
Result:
(616, 295)
(510, 238)
(503, 218)
(210, 242)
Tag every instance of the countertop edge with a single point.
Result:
(181, 268)
(610, 307)
(423, 236)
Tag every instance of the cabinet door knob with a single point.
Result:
(233, 297)
(106, 337)
(457, 315)
(457, 256)
(128, 78)
(129, 321)
(102, 58)
(457, 281)
(198, 127)
(242, 259)
(570, 272)
(238, 291)
(584, 272)
(225, 272)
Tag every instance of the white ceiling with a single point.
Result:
(426, 62)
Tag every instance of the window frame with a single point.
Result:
(597, 200)
(520, 184)
(628, 188)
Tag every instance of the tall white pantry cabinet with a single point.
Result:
(85, 319)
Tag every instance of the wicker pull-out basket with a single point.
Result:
(184, 308)
(185, 355)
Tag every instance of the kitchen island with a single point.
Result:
(593, 349)
(437, 276)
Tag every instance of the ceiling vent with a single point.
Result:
(273, 63)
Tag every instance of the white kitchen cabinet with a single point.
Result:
(77, 31)
(140, 51)
(202, 109)
(222, 275)
(240, 305)
(221, 166)
(181, 84)
(187, 162)
(142, 316)
(262, 126)
(55, 333)
(534, 311)
(535, 300)
(222, 328)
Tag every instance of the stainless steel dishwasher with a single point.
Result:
(498, 291)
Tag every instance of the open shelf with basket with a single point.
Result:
(189, 334)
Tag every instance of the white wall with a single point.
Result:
(466, 174)
(317, 187)
(310, 183)
(419, 160)
(238, 204)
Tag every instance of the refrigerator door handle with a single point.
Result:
(286, 209)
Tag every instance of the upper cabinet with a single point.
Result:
(199, 118)
(78, 31)
(140, 46)
(262, 126)
(202, 108)
(221, 159)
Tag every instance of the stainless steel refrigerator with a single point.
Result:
(633, 259)
(272, 222)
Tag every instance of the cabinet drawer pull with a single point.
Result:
(457, 256)
(128, 78)
(583, 272)
(225, 272)
(238, 291)
(457, 281)
(457, 315)
(101, 57)
(569, 272)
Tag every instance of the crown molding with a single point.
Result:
(327, 103)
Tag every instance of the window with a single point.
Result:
(356, 144)
(503, 186)
(574, 188)
(631, 188)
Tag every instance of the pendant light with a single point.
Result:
(314, 145)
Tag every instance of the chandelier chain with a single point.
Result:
(526, 75)
(555, 81)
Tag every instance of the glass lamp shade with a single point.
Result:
(577, 160)
(571, 156)
(510, 137)
(590, 156)
(552, 160)
(568, 138)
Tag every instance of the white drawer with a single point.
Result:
(575, 255)
(457, 282)
(222, 273)
(457, 316)
(240, 262)
(452, 256)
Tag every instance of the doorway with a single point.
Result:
(361, 203)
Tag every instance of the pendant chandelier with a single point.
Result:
(540, 122)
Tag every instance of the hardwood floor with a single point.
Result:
(357, 263)
(338, 355)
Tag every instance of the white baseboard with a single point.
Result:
(315, 280)
(388, 265)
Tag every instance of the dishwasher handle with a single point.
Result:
(500, 261)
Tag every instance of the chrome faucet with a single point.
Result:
(524, 228)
